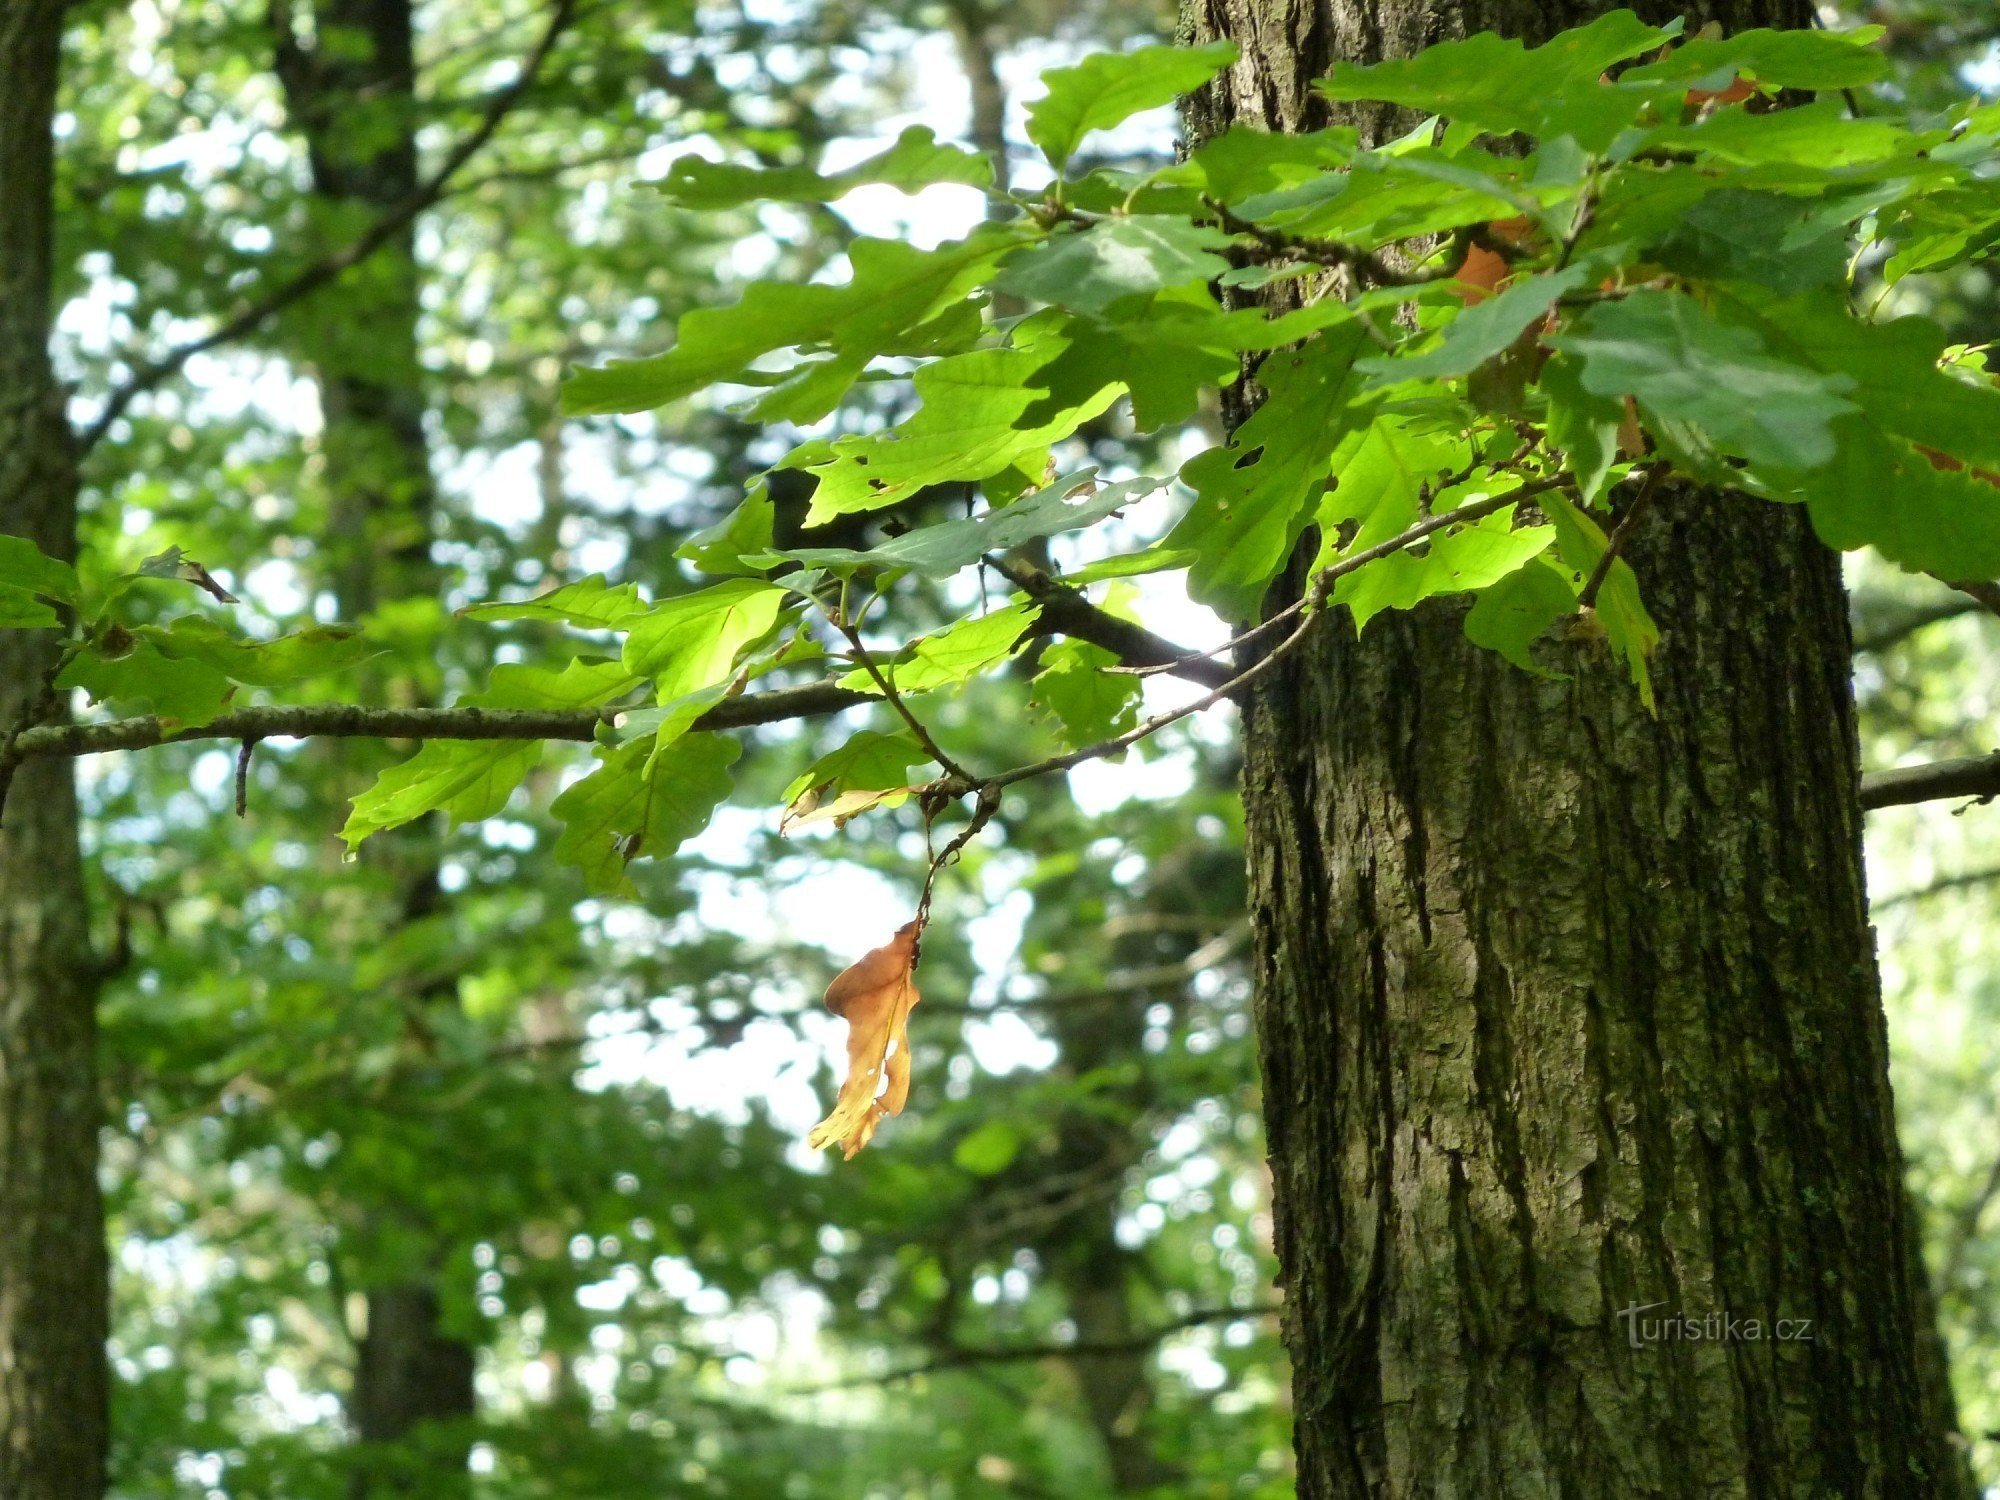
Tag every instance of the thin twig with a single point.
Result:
(153, 372)
(868, 664)
(1620, 535)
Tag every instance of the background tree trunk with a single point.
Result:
(1567, 1010)
(53, 1400)
(353, 96)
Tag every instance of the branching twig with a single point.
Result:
(151, 373)
(1310, 604)
(1068, 613)
(863, 655)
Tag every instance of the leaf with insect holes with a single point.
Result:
(874, 995)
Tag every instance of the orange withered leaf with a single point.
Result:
(1482, 271)
(873, 995)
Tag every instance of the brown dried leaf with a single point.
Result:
(873, 995)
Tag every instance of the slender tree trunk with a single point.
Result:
(353, 95)
(1567, 1011)
(53, 1381)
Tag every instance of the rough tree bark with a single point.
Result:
(53, 1381)
(1566, 1010)
(353, 97)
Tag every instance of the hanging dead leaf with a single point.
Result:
(874, 996)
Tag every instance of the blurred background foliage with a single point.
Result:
(537, 1157)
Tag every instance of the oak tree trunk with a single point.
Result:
(1586, 1175)
(53, 1379)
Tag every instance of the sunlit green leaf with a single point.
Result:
(691, 642)
(641, 804)
(1110, 87)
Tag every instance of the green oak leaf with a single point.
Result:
(1803, 59)
(1382, 474)
(1511, 615)
(954, 655)
(641, 802)
(869, 761)
(28, 575)
(469, 780)
(1785, 243)
(1924, 514)
(1892, 370)
(1117, 258)
(1457, 560)
(1480, 332)
(1582, 425)
(691, 641)
(728, 545)
(128, 667)
(1681, 361)
(588, 604)
(304, 654)
(916, 161)
(1111, 87)
(1090, 701)
(981, 413)
(1254, 496)
(1580, 543)
(1502, 86)
(940, 550)
(893, 292)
